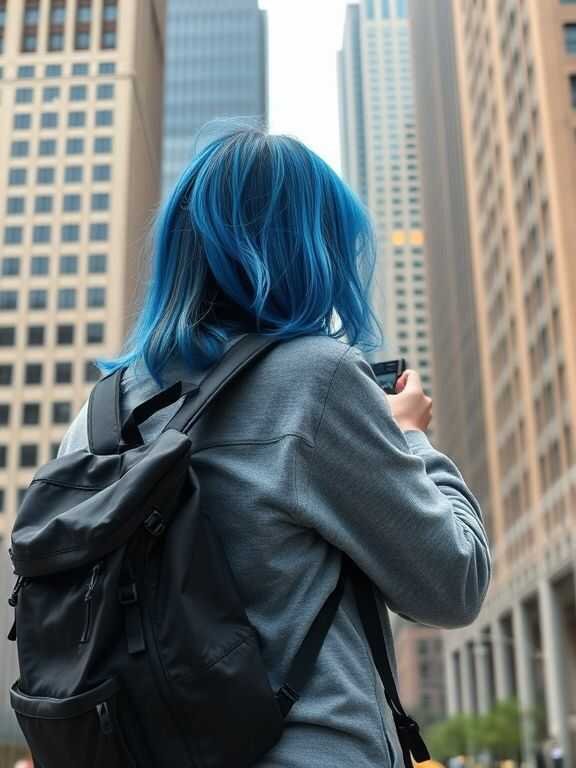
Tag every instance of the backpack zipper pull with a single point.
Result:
(13, 599)
(88, 601)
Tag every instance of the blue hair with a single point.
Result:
(258, 235)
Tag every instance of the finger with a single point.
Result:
(401, 382)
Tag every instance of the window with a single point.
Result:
(45, 176)
(7, 336)
(573, 90)
(35, 336)
(94, 333)
(25, 71)
(19, 149)
(38, 298)
(570, 38)
(100, 202)
(54, 448)
(82, 41)
(50, 93)
(4, 414)
(385, 9)
(109, 21)
(63, 373)
(91, 372)
(106, 68)
(102, 145)
(61, 412)
(97, 263)
(22, 121)
(68, 265)
(13, 235)
(43, 204)
(98, 232)
(49, 120)
(53, 70)
(370, 8)
(80, 69)
(57, 23)
(3, 461)
(17, 177)
(33, 373)
(40, 265)
(6, 373)
(24, 95)
(74, 146)
(65, 335)
(73, 174)
(28, 455)
(101, 173)
(71, 203)
(77, 93)
(11, 266)
(105, 91)
(15, 205)
(96, 297)
(104, 117)
(70, 233)
(76, 119)
(83, 23)
(66, 298)
(42, 233)
(30, 413)
(47, 147)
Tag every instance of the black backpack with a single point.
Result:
(134, 647)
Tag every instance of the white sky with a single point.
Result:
(304, 37)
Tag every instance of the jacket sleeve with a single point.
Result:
(398, 507)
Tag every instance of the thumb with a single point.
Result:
(413, 382)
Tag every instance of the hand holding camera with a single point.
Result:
(411, 407)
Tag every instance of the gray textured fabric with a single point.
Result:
(300, 459)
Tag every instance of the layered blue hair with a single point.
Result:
(258, 235)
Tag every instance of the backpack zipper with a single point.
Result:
(88, 595)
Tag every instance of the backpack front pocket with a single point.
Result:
(74, 731)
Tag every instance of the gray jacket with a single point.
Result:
(299, 460)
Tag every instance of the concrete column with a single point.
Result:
(554, 668)
(467, 680)
(451, 682)
(523, 654)
(501, 672)
(482, 676)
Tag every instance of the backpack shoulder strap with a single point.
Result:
(242, 354)
(104, 427)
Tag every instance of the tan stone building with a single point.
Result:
(80, 145)
(517, 71)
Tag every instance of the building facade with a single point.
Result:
(216, 67)
(517, 72)
(80, 160)
(383, 142)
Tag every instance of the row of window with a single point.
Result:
(73, 146)
(69, 233)
(55, 33)
(61, 413)
(16, 205)
(34, 375)
(103, 118)
(73, 174)
(387, 8)
(10, 266)
(66, 298)
(65, 334)
(50, 93)
(78, 69)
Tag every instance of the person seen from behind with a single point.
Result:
(305, 457)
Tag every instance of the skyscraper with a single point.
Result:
(216, 67)
(80, 146)
(458, 396)
(380, 161)
(517, 69)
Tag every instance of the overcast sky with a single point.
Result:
(304, 37)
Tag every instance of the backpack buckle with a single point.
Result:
(127, 594)
(154, 523)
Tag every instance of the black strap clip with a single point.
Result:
(286, 698)
(154, 523)
(410, 738)
(127, 594)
